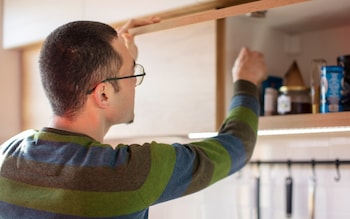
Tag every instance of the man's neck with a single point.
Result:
(87, 126)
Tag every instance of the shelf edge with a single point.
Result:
(303, 121)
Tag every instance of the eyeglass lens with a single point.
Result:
(138, 71)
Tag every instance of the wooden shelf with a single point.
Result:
(179, 17)
(341, 119)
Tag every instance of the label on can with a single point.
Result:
(331, 89)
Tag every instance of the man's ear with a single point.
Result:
(101, 95)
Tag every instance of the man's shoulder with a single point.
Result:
(19, 137)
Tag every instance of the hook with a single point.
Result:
(313, 164)
(289, 163)
(258, 164)
(337, 163)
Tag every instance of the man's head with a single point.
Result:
(75, 57)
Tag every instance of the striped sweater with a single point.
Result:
(57, 174)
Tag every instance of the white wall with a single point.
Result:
(331, 196)
(10, 89)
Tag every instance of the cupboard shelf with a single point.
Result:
(303, 121)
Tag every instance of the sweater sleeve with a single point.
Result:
(242, 119)
(232, 148)
(199, 164)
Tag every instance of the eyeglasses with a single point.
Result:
(139, 74)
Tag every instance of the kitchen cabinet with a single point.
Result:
(298, 37)
(285, 33)
(36, 18)
(303, 43)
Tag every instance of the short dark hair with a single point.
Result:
(73, 58)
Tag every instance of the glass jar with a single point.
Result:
(294, 100)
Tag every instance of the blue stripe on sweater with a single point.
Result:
(245, 101)
(68, 154)
(184, 159)
(235, 148)
(182, 174)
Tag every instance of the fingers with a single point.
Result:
(246, 52)
(137, 23)
(130, 44)
(250, 65)
(128, 38)
(242, 54)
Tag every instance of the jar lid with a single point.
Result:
(294, 88)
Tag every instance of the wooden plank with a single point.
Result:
(191, 9)
(213, 14)
(340, 119)
(220, 71)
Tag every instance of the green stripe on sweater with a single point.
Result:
(88, 204)
(82, 140)
(163, 158)
(218, 155)
(245, 115)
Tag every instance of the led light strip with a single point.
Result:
(201, 135)
(272, 132)
(317, 130)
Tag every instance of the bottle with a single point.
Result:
(315, 81)
(270, 101)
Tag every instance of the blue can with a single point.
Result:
(331, 89)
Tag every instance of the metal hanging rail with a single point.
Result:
(301, 162)
(311, 162)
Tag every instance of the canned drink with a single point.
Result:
(331, 89)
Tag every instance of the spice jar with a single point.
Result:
(270, 101)
(294, 100)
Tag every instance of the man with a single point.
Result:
(89, 74)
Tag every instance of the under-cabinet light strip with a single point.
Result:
(272, 132)
(199, 135)
(295, 131)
